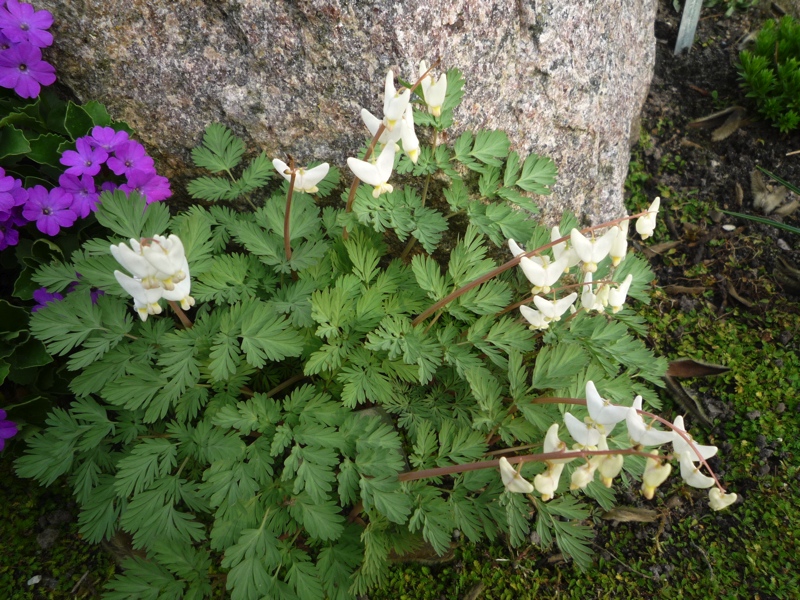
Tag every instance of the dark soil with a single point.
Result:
(683, 162)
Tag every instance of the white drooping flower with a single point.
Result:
(305, 180)
(159, 269)
(655, 473)
(642, 433)
(541, 272)
(563, 249)
(433, 93)
(373, 123)
(583, 475)
(553, 309)
(376, 174)
(692, 475)
(682, 447)
(409, 136)
(592, 251)
(394, 102)
(547, 483)
(646, 225)
(620, 245)
(608, 465)
(515, 248)
(602, 411)
(534, 317)
(553, 444)
(513, 481)
(590, 300)
(617, 295)
(586, 434)
(719, 500)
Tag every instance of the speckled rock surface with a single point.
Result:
(562, 77)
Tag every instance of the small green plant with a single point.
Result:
(770, 73)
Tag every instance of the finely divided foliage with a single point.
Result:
(275, 435)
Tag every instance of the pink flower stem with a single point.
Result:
(187, 323)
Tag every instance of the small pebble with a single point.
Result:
(729, 227)
(34, 580)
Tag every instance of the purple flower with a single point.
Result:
(108, 186)
(150, 185)
(11, 193)
(20, 23)
(108, 138)
(129, 156)
(9, 236)
(43, 298)
(86, 160)
(7, 429)
(51, 210)
(84, 194)
(22, 68)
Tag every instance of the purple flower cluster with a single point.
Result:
(78, 191)
(23, 34)
(7, 429)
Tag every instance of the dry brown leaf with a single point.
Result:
(732, 291)
(765, 197)
(625, 514)
(663, 247)
(687, 401)
(731, 125)
(689, 367)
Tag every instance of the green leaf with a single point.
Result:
(98, 114)
(13, 142)
(557, 365)
(150, 459)
(221, 149)
(46, 149)
(77, 121)
(130, 216)
(322, 520)
(538, 173)
(268, 336)
(491, 147)
(210, 188)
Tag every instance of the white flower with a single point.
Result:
(534, 317)
(602, 411)
(647, 224)
(583, 475)
(655, 473)
(373, 123)
(433, 93)
(563, 249)
(552, 310)
(145, 300)
(515, 248)
(608, 465)
(586, 434)
(682, 447)
(541, 272)
(160, 270)
(547, 483)
(409, 136)
(513, 481)
(692, 475)
(592, 251)
(305, 180)
(394, 102)
(620, 245)
(553, 444)
(590, 300)
(718, 500)
(376, 174)
(642, 433)
(617, 295)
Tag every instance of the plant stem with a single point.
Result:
(187, 323)
(286, 245)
